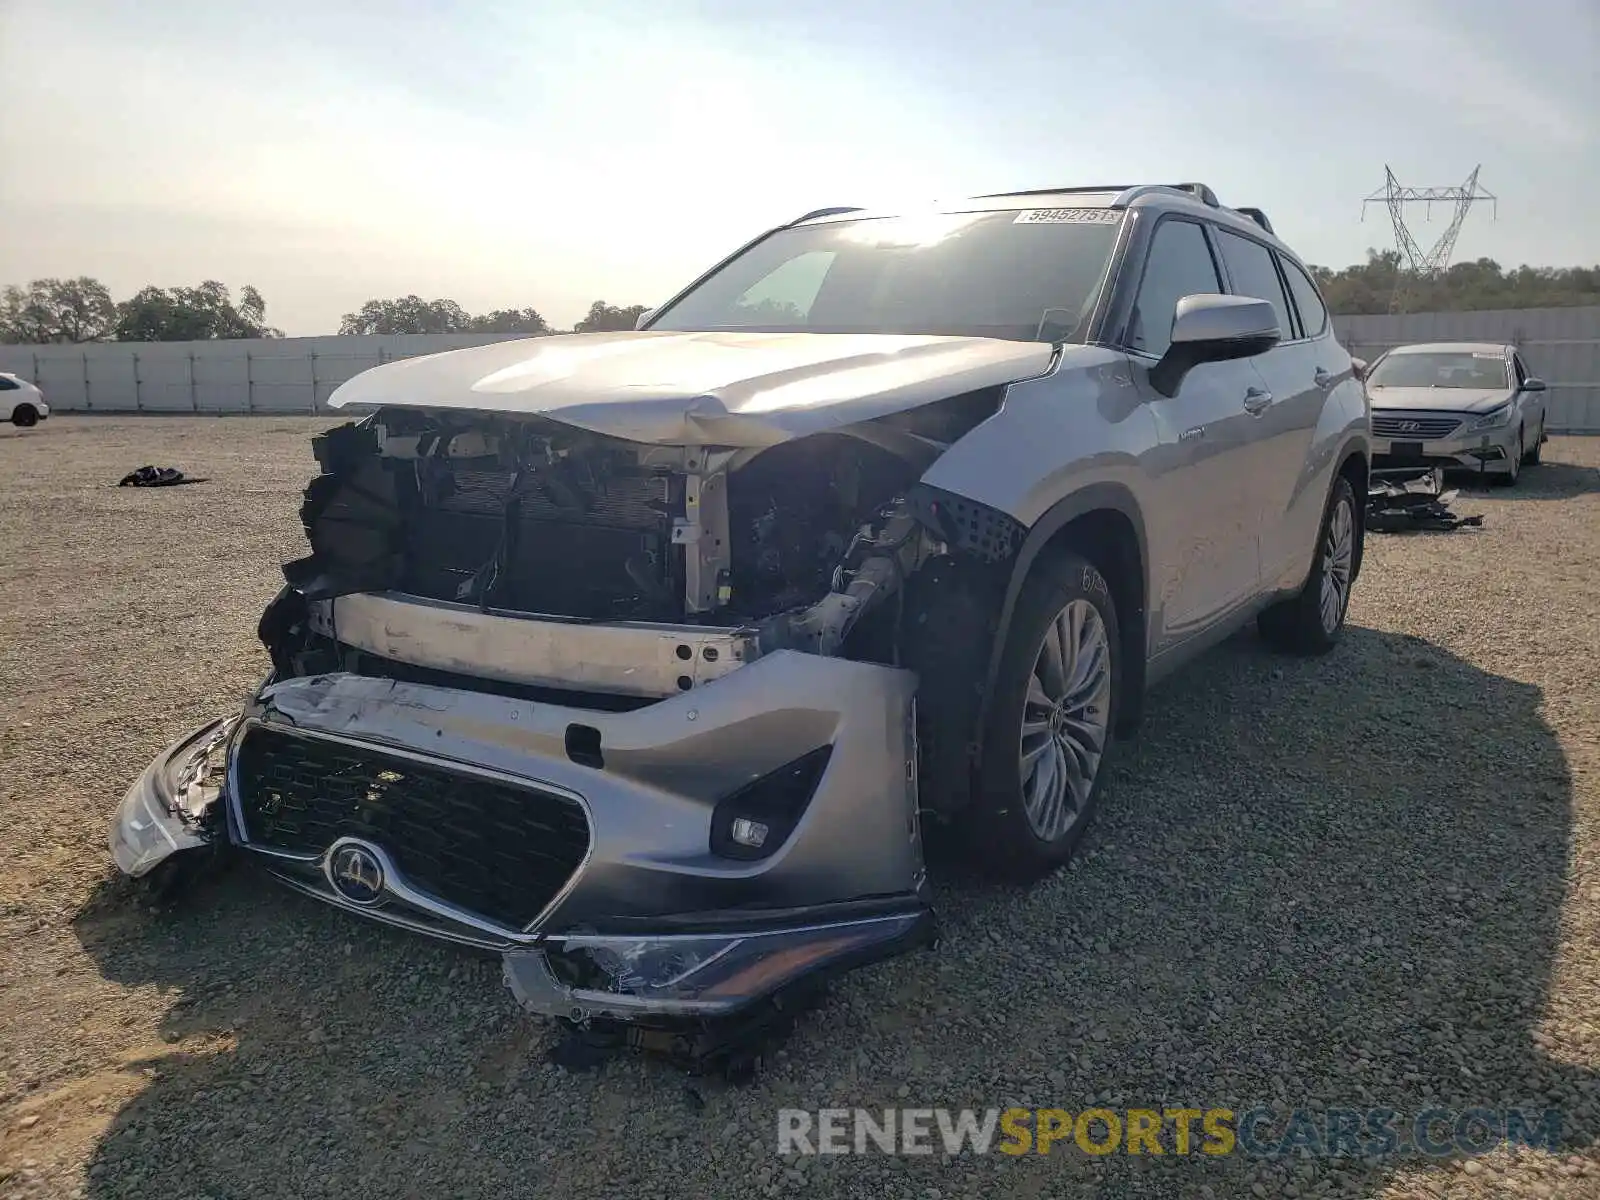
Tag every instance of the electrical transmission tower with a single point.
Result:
(1431, 263)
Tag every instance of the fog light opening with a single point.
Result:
(754, 821)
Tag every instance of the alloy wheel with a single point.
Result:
(1338, 555)
(1065, 719)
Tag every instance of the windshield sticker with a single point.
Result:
(1067, 216)
(1487, 354)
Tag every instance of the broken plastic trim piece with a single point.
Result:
(704, 975)
(1402, 499)
(164, 812)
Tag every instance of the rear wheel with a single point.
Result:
(1311, 622)
(25, 416)
(1050, 725)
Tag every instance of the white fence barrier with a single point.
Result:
(286, 375)
(269, 375)
(1560, 345)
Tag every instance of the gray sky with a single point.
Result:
(549, 154)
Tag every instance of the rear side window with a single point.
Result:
(1179, 264)
(1250, 267)
(7, 385)
(1313, 313)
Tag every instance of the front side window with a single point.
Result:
(1253, 274)
(1441, 369)
(1179, 264)
(1015, 275)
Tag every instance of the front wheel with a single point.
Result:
(1534, 453)
(1311, 622)
(1050, 725)
(1513, 472)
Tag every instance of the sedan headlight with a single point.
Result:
(1493, 419)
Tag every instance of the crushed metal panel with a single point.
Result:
(623, 658)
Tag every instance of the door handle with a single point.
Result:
(1256, 401)
(1322, 379)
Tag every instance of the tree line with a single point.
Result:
(82, 310)
(1377, 284)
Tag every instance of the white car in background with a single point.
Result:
(23, 402)
(1457, 404)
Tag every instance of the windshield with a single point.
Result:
(1026, 276)
(1442, 369)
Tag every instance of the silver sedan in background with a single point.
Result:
(1457, 404)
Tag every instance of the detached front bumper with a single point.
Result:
(592, 849)
(1489, 449)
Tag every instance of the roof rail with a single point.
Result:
(1256, 215)
(1052, 191)
(1196, 191)
(826, 212)
(1201, 192)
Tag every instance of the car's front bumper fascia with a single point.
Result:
(1485, 449)
(652, 924)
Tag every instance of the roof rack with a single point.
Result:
(1196, 191)
(1053, 191)
(1256, 215)
(825, 212)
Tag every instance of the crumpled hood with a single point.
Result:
(684, 389)
(1429, 399)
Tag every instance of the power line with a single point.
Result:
(1431, 263)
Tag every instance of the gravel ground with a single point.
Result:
(1371, 878)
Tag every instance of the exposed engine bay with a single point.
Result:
(797, 544)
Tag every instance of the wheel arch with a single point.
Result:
(1355, 466)
(1103, 523)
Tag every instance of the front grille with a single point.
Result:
(494, 849)
(1408, 428)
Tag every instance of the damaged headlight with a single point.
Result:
(166, 808)
(1493, 419)
(581, 976)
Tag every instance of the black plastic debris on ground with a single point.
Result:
(1412, 499)
(156, 477)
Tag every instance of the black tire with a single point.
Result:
(1002, 833)
(25, 416)
(1297, 625)
(1535, 453)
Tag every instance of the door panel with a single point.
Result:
(1207, 562)
(1300, 374)
(1207, 498)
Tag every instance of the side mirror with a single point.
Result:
(1358, 367)
(1534, 384)
(643, 317)
(1212, 328)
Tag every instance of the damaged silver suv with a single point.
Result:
(642, 658)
